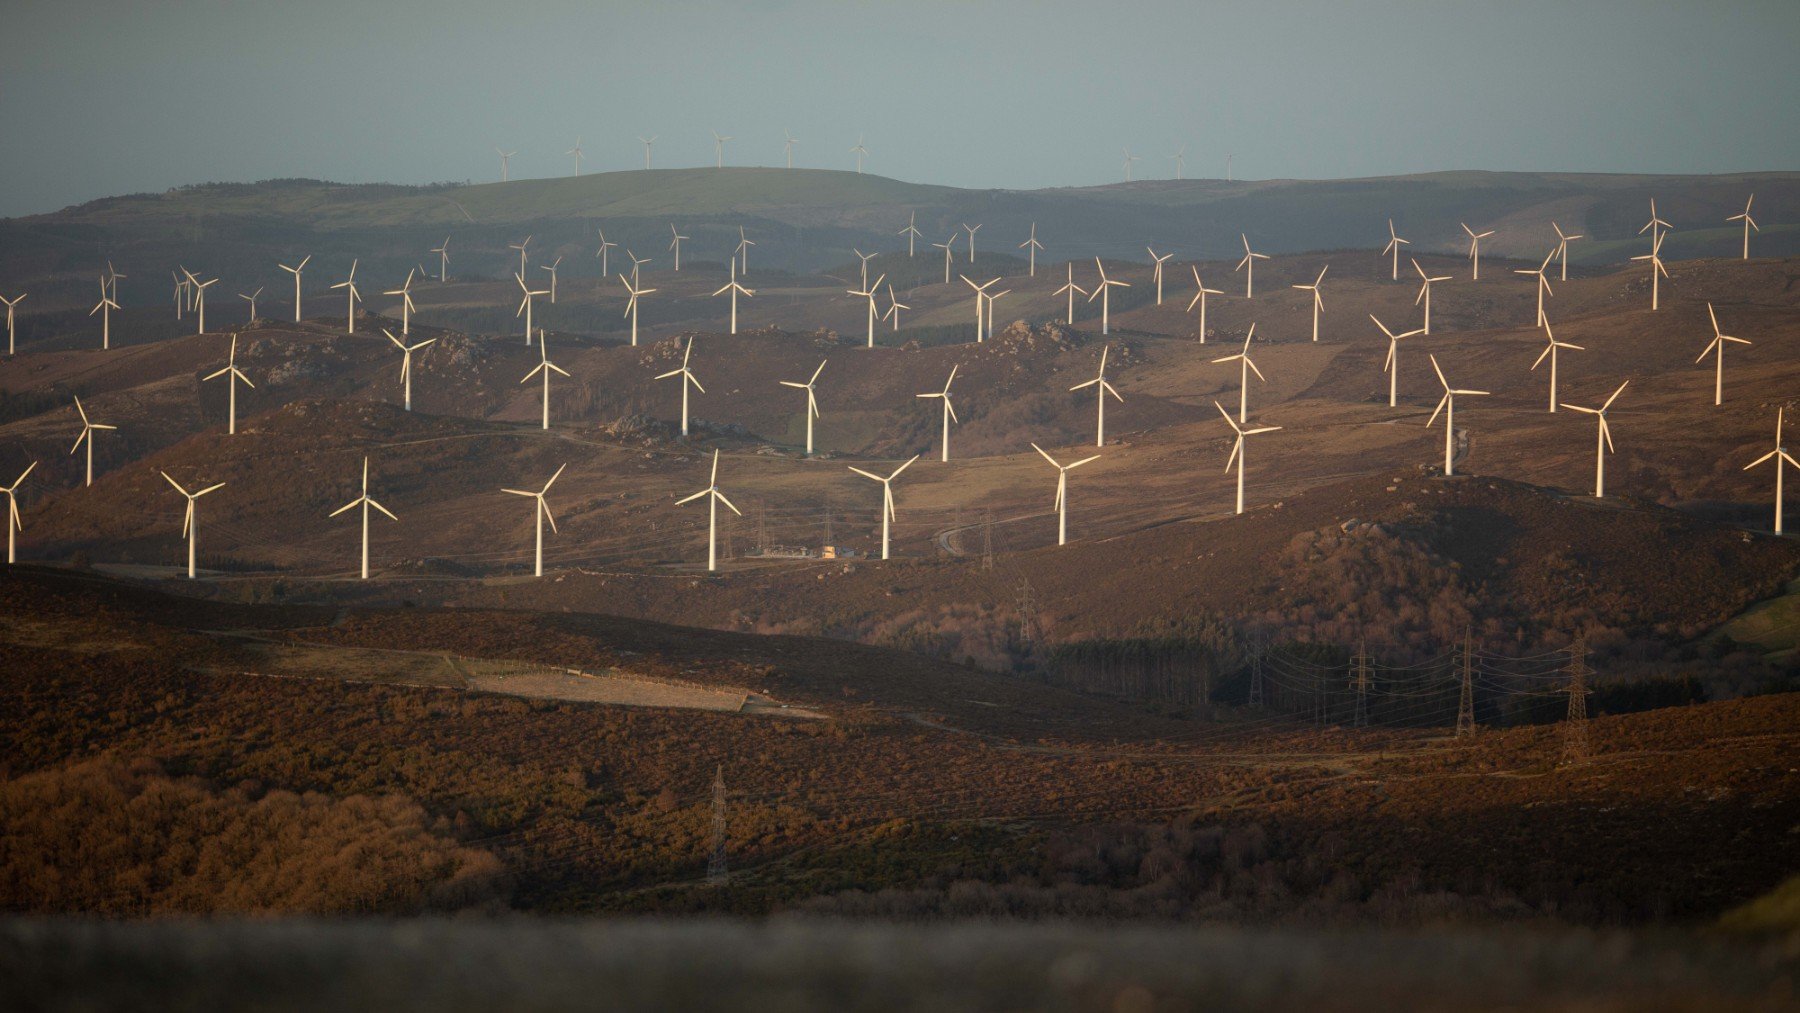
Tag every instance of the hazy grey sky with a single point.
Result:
(102, 97)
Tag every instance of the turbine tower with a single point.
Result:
(1447, 407)
(1603, 443)
(789, 147)
(88, 428)
(406, 303)
(576, 151)
(911, 232)
(232, 375)
(949, 412)
(631, 305)
(647, 142)
(546, 367)
(1549, 352)
(718, 152)
(251, 298)
(980, 312)
(743, 250)
(1425, 283)
(1101, 389)
(1657, 270)
(15, 525)
(1062, 491)
(443, 253)
(868, 295)
(735, 289)
(1749, 223)
(295, 271)
(1158, 273)
(1239, 449)
(948, 246)
(406, 352)
(199, 288)
(1103, 292)
(104, 307)
(860, 152)
(1655, 226)
(521, 247)
(812, 403)
(1318, 301)
(1199, 299)
(1245, 368)
(971, 230)
(1248, 266)
(365, 501)
(1475, 239)
(1543, 286)
(505, 163)
(1393, 246)
(1130, 158)
(865, 258)
(712, 514)
(1392, 365)
(1180, 157)
(10, 304)
(675, 244)
(894, 308)
(1717, 346)
(1779, 455)
(601, 253)
(527, 293)
(551, 267)
(351, 295)
(540, 511)
(1031, 246)
(1071, 289)
(190, 524)
(1562, 248)
(686, 376)
(887, 498)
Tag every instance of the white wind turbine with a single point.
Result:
(894, 308)
(601, 253)
(1180, 157)
(1657, 270)
(860, 152)
(251, 298)
(1130, 158)
(635, 264)
(1031, 246)
(675, 244)
(1717, 346)
(181, 293)
(911, 232)
(521, 247)
(1779, 455)
(540, 512)
(631, 305)
(1543, 286)
(13, 524)
(1158, 270)
(949, 412)
(1603, 443)
(971, 230)
(1062, 491)
(406, 352)
(576, 151)
(887, 498)
(948, 246)
(1248, 266)
(505, 163)
(1749, 223)
(551, 267)
(789, 147)
(865, 258)
(88, 428)
(686, 377)
(1103, 292)
(365, 501)
(443, 253)
(867, 293)
(980, 312)
(1392, 365)
(1199, 299)
(232, 375)
(1070, 289)
(16, 300)
(712, 513)
(1655, 226)
(190, 523)
(104, 307)
(647, 142)
(1245, 368)
(994, 297)
(1562, 248)
(719, 149)
(1447, 407)
(546, 367)
(743, 250)
(1101, 389)
(812, 403)
(112, 282)
(406, 303)
(351, 295)
(1393, 246)
(199, 288)
(1318, 301)
(1549, 352)
(528, 293)
(1239, 449)
(1475, 239)
(295, 271)
(1425, 283)
(735, 289)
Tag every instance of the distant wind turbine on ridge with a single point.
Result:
(10, 305)
(1248, 266)
(366, 502)
(1318, 300)
(1103, 291)
(295, 271)
(1392, 365)
(1071, 290)
(88, 428)
(1475, 239)
(687, 377)
(1101, 389)
(105, 307)
(1158, 271)
(1549, 352)
(1749, 223)
(406, 352)
(911, 232)
(735, 289)
(546, 367)
(1425, 283)
(860, 152)
(1562, 248)
(1031, 246)
(1717, 347)
(251, 299)
(949, 412)
(812, 402)
(1393, 246)
(1199, 299)
(631, 305)
(1245, 367)
(232, 375)
(351, 295)
(1543, 286)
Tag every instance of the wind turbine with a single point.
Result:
(712, 514)
(1180, 157)
(1239, 449)
(181, 293)
(1425, 283)
(1248, 266)
(1245, 368)
(1448, 401)
(1655, 226)
(894, 308)
(527, 294)
(540, 512)
(868, 294)
(1158, 271)
(1392, 365)
(88, 427)
(647, 142)
(686, 376)
(887, 498)
(949, 412)
(1103, 291)
(675, 244)
(406, 303)
(576, 151)
(980, 313)
(1031, 246)
(546, 367)
(743, 250)
(719, 150)
(251, 298)
(15, 525)
(604, 246)
(112, 282)
(865, 258)
(232, 375)
(1070, 289)
(1543, 285)
(735, 289)
(971, 230)
(521, 248)
(16, 300)
(1657, 270)
(351, 295)
(1779, 455)
(1200, 299)
(295, 271)
(1549, 352)
(1130, 158)
(1717, 345)
(911, 232)
(1603, 443)
(631, 305)
(1393, 246)
(812, 403)
(789, 147)
(505, 163)
(860, 152)
(947, 246)
(551, 267)
(443, 253)
(1562, 248)
(406, 352)
(104, 307)
(1749, 223)
(635, 264)
(199, 288)
(190, 524)
(1101, 389)
(1062, 491)
(991, 300)
(365, 501)
(1318, 301)
(1475, 239)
